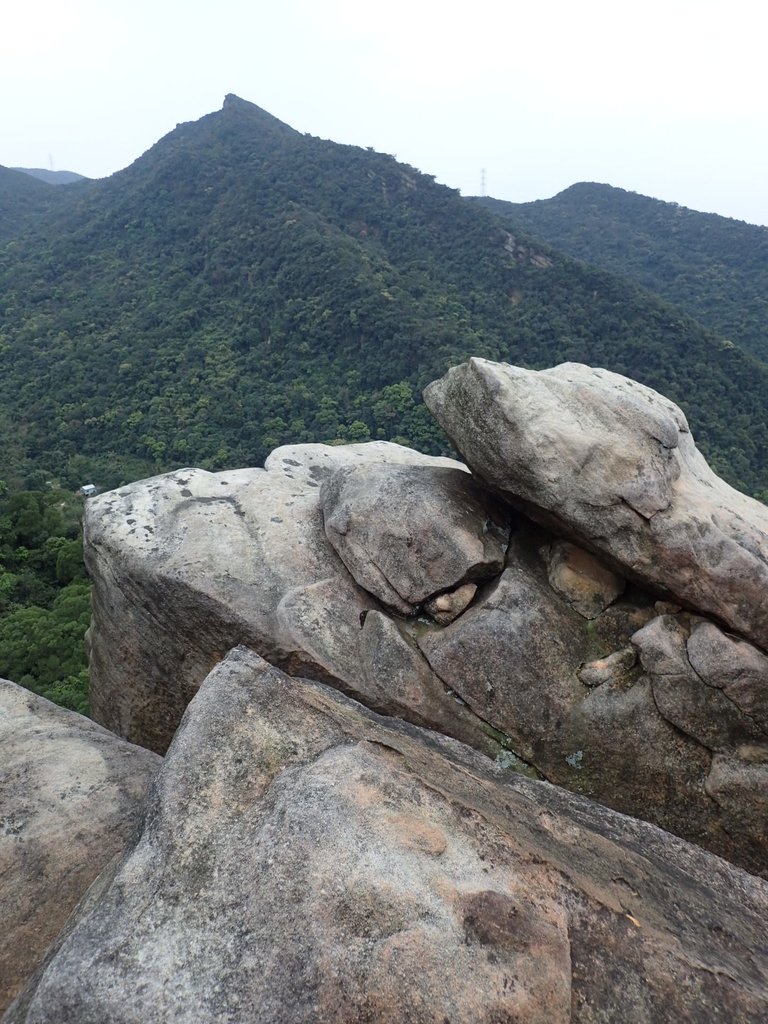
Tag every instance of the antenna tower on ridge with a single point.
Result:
(482, 182)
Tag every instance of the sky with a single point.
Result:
(669, 99)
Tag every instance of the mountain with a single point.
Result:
(52, 177)
(714, 268)
(242, 285)
(23, 200)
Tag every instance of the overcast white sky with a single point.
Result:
(668, 97)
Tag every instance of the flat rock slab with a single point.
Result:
(612, 464)
(303, 860)
(70, 797)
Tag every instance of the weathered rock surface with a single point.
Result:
(187, 565)
(583, 580)
(538, 666)
(612, 464)
(70, 794)
(610, 706)
(406, 534)
(304, 860)
(603, 737)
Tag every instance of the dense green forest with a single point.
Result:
(714, 268)
(241, 286)
(24, 200)
(44, 595)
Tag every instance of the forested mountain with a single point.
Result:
(714, 268)
(23, 200)
(51, 177)
(241, 285)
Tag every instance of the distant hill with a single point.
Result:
(714, 268)
(52, 177)
(242, 285)
(22, 201)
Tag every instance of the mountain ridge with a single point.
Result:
(242, 285)
(714, 268)
(51, 177)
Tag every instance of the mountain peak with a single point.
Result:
(233, 102)
(234, 105)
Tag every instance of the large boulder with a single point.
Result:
(304, 860)
(406, 535)
(612, 464)
(187, 565)
(609, 705)
(70, 796)
(536, 666)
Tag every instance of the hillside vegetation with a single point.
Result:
(44, 595)
(714, 268)
(24, 200)
(51, 177)
(241, 286)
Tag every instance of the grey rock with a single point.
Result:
(738, 784)
(304, 860)
(734, 666)
(706, 712)
(399, 682)
(571, 698)
(513, 658)
(681, 655)
(612, 465)
(70, 797)
(187, 565)
(407, 533)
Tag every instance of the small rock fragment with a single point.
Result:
(583, 580)
(446, 607)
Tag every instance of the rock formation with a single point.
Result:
(405, 583)
(586, 607)
(303, 859)
(188, 565)
(612, 464)
(71, 794)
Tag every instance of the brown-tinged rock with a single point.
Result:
(583, 580)
(303, 860)
(70, 797)
(448, 606)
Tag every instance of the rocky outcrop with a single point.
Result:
(188, 565)
(612, 465)
(404, 583)
(303, 859)
(71, 795)
(587, 609)
(406, 535)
